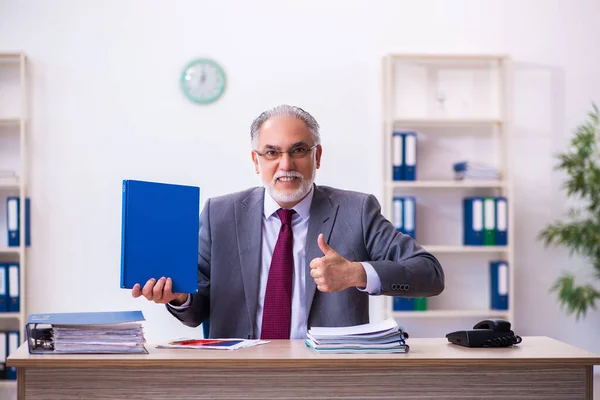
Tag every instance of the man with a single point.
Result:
(268, 272)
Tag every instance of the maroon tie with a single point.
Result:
(277, 310)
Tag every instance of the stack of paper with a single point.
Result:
(214, 344)
(93, 332)
(109, 338)
(470, 170)
(382, 337)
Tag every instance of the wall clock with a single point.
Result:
(203, 81)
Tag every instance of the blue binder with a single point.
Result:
(160, 234)
(410, 207)
(501, 221)
(398, 213)
(14, 287)
(13, 221)
(473, 221)
(499, 285)
(3, 354)
(398, 156)
(3, 287)
(410, 156)
(403, 304)
(12, 344)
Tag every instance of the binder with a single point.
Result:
(40, 337)
(409, 216)
(3, 287)
(473, 221)
(489, 221)
(421, 304)
(397, 156)
(13, 221)
(410, 156)
(398, 213)
(12, 344)
(403, 304)
(499, 285)
(501, 221)
(3, 355)
(159, 234)
(14, 297)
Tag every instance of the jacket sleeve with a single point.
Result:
(404, 267)
(199, 309)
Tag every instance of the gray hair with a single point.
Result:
(285, 110)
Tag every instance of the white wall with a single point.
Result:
(106, 106)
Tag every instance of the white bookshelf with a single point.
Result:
(412, 100)
(13, 130)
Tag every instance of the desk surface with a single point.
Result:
(423, 352)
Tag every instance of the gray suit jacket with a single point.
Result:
(229, 260)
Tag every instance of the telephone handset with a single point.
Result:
(487, 333)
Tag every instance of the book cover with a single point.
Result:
(160, 224)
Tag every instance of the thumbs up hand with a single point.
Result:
(333, 273)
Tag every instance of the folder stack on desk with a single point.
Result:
(95, 332)
(382, 337)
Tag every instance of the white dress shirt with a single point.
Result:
(270, 232)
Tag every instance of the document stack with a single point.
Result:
(96, 332)
(382, 337)
(469, 170)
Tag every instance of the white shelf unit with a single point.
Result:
(419, 106)
(13, 126)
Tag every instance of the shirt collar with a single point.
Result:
(302, 208)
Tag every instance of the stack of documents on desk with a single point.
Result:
(382, 337)
(95, 332)
(477, 171)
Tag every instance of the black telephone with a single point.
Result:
(487, 333)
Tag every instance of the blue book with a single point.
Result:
(410, 206)
(398, 213)
(403, 303)
(13, 219)
(498, 285)
(501, 221)
(398, 167)
(160, 234)
(14, 287)
(12, 344)
(3, 287)
(473, 221)
(410, 156)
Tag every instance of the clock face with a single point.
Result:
(203, 81)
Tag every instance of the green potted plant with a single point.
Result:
(580, 231)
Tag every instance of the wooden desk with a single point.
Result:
(538, 368)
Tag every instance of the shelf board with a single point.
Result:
(9, 121)
(450, 313)
(449, 184)
(9, 182)
(445, 122)
(466, 249)
(7, 383)
(9, 250)
(449, 57)
(10, 56)
(9, 315)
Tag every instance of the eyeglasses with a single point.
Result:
(296, 153)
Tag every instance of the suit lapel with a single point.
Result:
(248, 222)
(322, 216)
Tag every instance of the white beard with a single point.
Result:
(295, 196)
